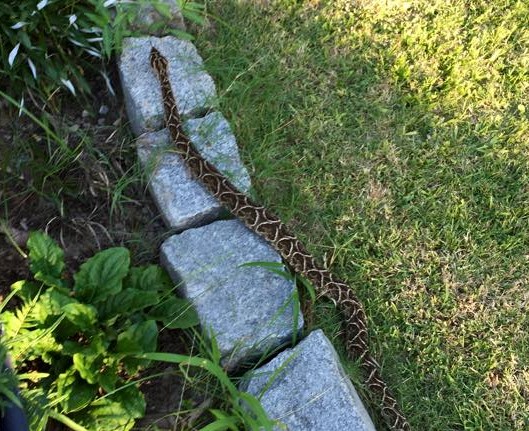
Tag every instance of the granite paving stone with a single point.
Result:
(250, 309)
(306, 389)
(183, 202)
(193, 88)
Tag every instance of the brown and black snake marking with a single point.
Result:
(267, 225)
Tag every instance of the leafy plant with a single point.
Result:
(192, 11)
(80, 339)
(8, 380)
(49, 44)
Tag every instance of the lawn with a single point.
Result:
(392, 137)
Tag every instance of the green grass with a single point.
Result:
(393, 137)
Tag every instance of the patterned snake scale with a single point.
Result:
(261, 221)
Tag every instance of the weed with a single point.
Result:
(86, 335)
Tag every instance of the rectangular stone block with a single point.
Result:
(250, 309)
(182, 201)
(193, 88)
(306, 389)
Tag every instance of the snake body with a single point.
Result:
(261, 221)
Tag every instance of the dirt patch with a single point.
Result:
(172, 403)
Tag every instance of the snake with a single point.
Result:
(264, 223)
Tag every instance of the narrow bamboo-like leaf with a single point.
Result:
(107, 41)
(24, 39)
(18, 25)
(68, 84)
(13, 54)
(33, 68)
(227, 423)
(194, 361)
(10, 395)
(93, 53)
(265, 423)
(110, 88)
(21, 109)
(42, 4)
(77, 43)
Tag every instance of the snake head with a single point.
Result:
(157, 60)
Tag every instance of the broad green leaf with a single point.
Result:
(88, 365)
(50, 304)
(131, 398)
(138, 338)
(108, 377)
(46, 259)
(75, 392)
(127, 302)
(175, 313)
(89, 360)
(115, 412)
(150, 277)
(71, 347)
(102, 275)
(81, 315)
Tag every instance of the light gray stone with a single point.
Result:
(149, 19)
(306, 389)
(250, 309)
(193, 88)
(182, 201)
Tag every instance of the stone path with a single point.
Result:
(252, 312)
(307, 389)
